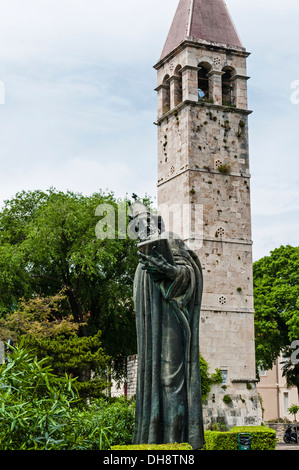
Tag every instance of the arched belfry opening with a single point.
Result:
(228, 92)
(203, 82)
(166, 95)
(178, 86)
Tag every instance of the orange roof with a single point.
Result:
(207, 20)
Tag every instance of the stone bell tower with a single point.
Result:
(204, 190)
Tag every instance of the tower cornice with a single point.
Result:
(200, 104)
(203, 45)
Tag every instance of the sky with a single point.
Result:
(77, 101)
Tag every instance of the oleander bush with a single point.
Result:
(116, 418)
(40, 411)
(35, 404)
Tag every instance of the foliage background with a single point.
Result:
(276, 300)
(40, 411)
(66, 291)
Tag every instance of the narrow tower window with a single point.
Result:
(203, 82)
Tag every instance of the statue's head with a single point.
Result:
(143, 224)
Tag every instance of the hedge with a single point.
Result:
(262, 438)
(216, 440)
(154, 447)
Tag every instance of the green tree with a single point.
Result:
(44, 325)
(39, 317)
(48, 244)
(293, 410)
(276, 300)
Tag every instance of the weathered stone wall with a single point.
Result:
(243, 409)
(227, 342)
(199, 137)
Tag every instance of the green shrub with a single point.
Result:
(154, 447)
(216, 440)
(117, 418)
(35, 404)
(207, 379)
(224, 169)
(227, 399)
(263, 438)
(39, 411)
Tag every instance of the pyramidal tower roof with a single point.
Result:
(201, 20)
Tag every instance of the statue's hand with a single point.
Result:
(157, 264)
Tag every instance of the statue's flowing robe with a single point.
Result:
(168, 396)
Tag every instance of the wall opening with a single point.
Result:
(203, 82)
(166, 95)
(228, 95)
(178, 86)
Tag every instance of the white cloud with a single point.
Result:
(81, 30)
(80, 103)
(271, 232)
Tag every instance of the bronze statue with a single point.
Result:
(167, 296)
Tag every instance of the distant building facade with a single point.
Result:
(277, 397)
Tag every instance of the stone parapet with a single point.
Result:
(280, 429)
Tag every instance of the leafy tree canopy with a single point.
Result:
(48, 245)
(276, 297)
